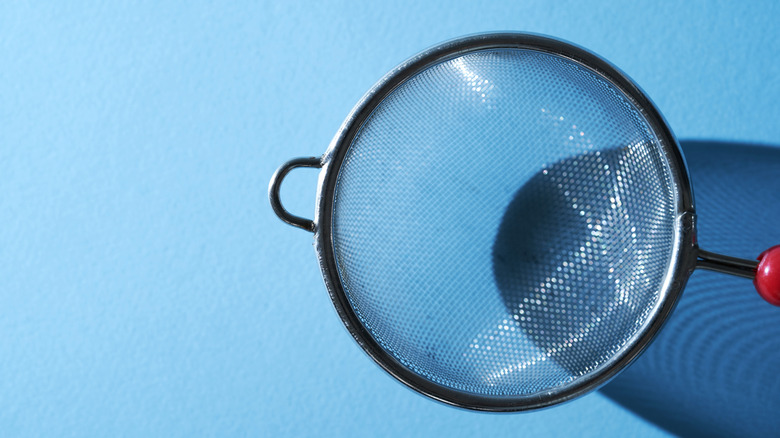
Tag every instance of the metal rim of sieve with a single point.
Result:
(683, 260)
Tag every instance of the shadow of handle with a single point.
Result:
(713, 370)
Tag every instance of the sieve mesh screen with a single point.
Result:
(503, 223)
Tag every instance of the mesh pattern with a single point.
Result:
(504, 222)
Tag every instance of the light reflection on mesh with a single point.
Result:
(504, 222)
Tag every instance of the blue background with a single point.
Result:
(146, 286)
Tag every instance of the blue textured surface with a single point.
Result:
(146, 286)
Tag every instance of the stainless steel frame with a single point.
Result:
(685, 256)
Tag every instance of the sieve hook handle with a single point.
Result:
(276, 184)
(764, 271)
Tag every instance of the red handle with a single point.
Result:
(767, 279)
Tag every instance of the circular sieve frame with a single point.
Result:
(682, 263)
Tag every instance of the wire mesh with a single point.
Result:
(503, 222)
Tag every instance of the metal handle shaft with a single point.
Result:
(726, 264)
(765, 271)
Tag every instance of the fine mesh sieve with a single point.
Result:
(504, 222)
